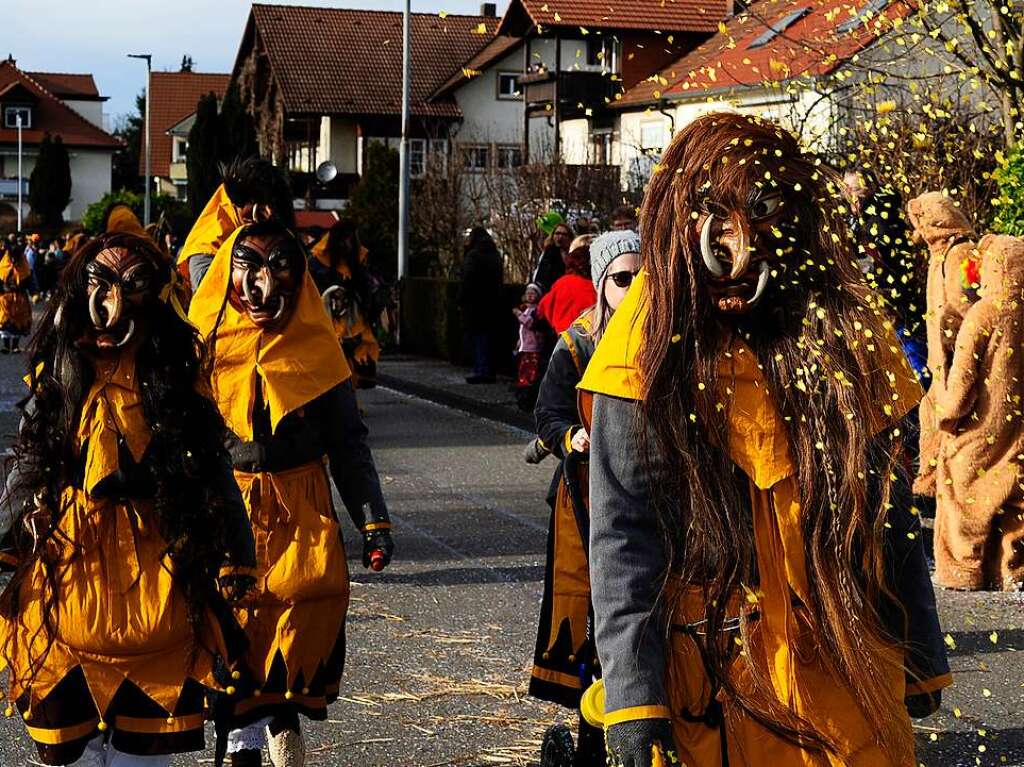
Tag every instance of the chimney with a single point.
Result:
(490, 10)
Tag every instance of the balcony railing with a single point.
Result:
(9, 188)
(576, 90)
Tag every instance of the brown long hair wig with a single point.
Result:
(184, 462)
(811, 334)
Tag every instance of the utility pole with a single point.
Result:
(21, 183)
(149, 80)
(403, 150)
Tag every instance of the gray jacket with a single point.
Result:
(628, 568)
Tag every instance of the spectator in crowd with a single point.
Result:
(563, 668)
(53, 262)
(552, 261)
(529, 348)
(479, 295)
(891, 264)
(624, 218)
(31, 253)
(573, 292)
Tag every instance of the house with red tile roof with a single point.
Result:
(322, 83)
(76, 90)
(559, 64)
(58, 104)
(172, 110)
(775, 58)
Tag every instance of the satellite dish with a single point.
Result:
(326, 172)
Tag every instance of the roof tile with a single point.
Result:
(175, 96)
(358, 64)
(648, 15)
(67, 84)
(51, 116)
(813, 45)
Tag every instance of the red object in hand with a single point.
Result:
(377, 560)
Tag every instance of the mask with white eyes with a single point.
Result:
(119, 284)
(741, 248)
(266, 274)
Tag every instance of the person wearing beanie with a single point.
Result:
(614, 262)
(572, 293)
(565, 660)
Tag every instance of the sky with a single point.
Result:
(96, 35)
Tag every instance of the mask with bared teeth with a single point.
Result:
(266, 274)
(742, 246)
(120, 283)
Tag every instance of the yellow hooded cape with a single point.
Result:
(296, 364)
(217, 221)
(759, 445)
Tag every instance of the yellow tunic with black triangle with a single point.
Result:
(295, 621)
(121, 655)
(784, 644)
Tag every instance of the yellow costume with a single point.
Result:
(112, 649)
(782, 641)
(295, 621)
(352, 330)
(215, 223)
(15, 308)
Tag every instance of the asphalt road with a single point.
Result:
(439, 643)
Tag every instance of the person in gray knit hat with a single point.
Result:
(614, 262)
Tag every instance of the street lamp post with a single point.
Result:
(403, 151)
(21, 183)
(149, 79)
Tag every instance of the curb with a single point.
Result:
(499, 413)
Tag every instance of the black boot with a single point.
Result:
(556, 750)
(590, 751)
(249, 757)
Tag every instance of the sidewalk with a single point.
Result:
(444, 383)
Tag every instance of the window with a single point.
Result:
(601, 147)
(778, 28)
(510, 155)
(180, 149)
(437, 149)
(11, 115)
(476, 158)
(508, 85)
(417, 157)
(652, 136)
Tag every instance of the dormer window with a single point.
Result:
(11, 114)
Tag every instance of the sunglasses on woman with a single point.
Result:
(622, 279)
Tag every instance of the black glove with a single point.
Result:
(632, 743)
(535, 452)
(234, 587)
(926, 704)
(378, 540)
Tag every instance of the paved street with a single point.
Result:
(439, 643)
